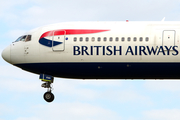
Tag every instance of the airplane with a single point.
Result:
(98, 50)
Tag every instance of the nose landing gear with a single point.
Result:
(48, 96)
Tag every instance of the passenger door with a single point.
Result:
(169, 37)
(58, 43)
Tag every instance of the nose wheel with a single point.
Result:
(48, 96)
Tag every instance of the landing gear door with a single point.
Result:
(58, 43)
(169, 37)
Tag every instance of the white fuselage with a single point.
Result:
(101, 49)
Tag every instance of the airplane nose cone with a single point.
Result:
(6, 54)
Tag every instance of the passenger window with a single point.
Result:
(87, 39)
(80, 39)
(135, 39)
(123, 39)
(117, 39)
(105, 39)
(147, 39)
(28, 38)
(93, 39)
(99, 39)
(110, 39)
(140, 39)
(75, 39)
(129, 39)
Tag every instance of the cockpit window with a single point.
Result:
(25, 38)
(28, 38)
(19, 39)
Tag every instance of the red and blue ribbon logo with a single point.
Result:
(50, 43)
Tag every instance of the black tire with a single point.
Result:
(48, 96)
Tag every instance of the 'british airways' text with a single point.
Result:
(130, 50)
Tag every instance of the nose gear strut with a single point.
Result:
(48, 96)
